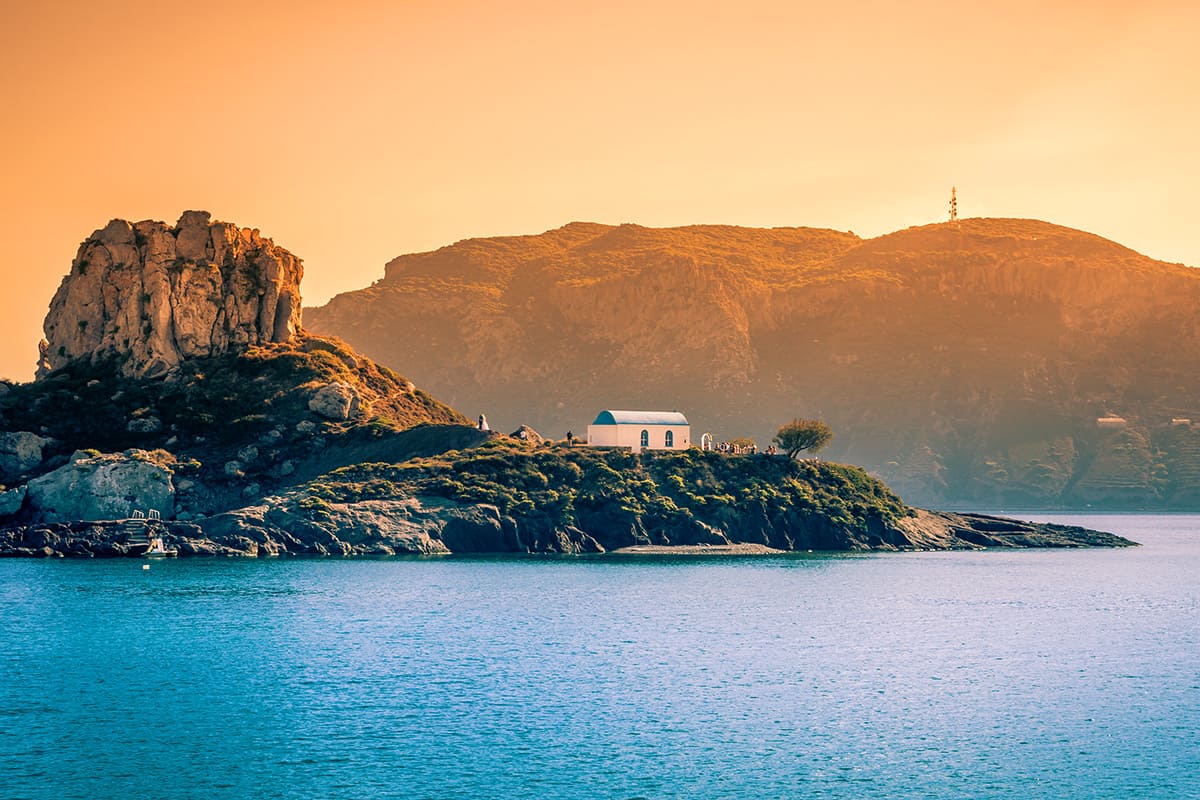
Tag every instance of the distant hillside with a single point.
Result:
(962, 362)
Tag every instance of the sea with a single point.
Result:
(998, 674)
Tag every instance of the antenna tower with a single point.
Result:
(953, 204)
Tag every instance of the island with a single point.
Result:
(179, 399)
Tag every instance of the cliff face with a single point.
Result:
(153, 296)
(963, 363)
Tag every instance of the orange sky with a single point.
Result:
(354, 132)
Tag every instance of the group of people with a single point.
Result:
(733, 448)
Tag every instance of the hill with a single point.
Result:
(964, 363)
(231, 427)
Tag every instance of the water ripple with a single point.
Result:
(986, 675)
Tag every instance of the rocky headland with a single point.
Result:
(507, 496)
(214, 398)
(242, 434)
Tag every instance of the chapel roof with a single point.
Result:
(607, 417)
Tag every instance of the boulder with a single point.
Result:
(473, 529)
(20, 451)
(335, 401)
(191, 235)
(11, 500)
(528, 434)
(109, 486)
(144, 425)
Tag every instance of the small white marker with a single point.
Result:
(145, 566)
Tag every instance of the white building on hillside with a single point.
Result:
(640, 430)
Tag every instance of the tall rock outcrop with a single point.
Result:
(152, 295)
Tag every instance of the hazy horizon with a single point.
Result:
(354, 134)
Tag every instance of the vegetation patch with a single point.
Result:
(210, 408)
(564, 485)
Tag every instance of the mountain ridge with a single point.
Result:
(928, 348)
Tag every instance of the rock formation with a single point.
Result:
(12, 500)
(413, 525)
(336, 401)
(99, 487)
(20, 452)
(151, 295)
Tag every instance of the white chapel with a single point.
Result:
(640, 430)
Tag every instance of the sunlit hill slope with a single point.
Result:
(963, 362)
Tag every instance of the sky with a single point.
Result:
(354, 132)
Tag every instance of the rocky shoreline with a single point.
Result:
(439, 528)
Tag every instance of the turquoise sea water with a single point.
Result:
(1031, 674)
